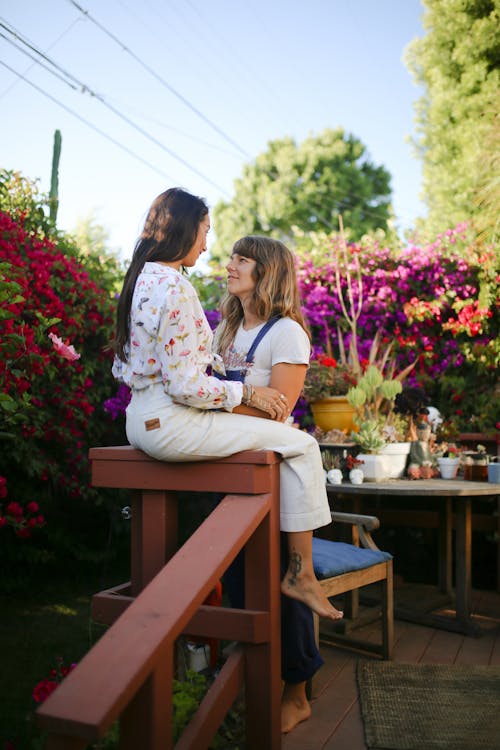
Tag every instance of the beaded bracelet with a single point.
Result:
(247, 394)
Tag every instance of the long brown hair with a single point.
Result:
(275, 293)
(169, 233)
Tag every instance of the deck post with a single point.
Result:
(263, 661)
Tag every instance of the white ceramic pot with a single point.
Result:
(376, 467)
(398, 453)
(448, 467)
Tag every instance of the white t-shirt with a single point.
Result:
(285, 342)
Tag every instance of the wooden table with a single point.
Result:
(449, 495)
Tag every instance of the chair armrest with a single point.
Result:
(364, 524)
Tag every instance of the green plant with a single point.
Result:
(327, 377)
(369, 437)
(373, 399)
(56, 315)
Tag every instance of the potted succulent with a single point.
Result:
(325, 388)
(373, 399)
(376, 466)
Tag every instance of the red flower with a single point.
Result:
(14, 509)
(43, 689)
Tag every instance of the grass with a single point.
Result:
(47, 619)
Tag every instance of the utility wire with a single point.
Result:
(159, 78)
(89, 124)
(99, 97)
(38, 62)
(166, 126)
(73, 23)
(144, 65)
(114, 110)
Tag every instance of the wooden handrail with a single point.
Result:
(128, 674)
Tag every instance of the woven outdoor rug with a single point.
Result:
(429, 706)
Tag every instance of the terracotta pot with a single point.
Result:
(334, 413)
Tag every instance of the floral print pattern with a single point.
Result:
(171, 342)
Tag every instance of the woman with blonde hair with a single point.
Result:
(263, 340)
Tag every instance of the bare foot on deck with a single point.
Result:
(293, 711)
(306, 588)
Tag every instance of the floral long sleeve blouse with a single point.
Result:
(171, 342)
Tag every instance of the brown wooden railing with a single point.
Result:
(128, 674)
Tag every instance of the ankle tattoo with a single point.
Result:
(294, 567)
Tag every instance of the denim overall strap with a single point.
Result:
(265, 328)
(241, 374)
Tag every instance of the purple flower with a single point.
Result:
(116, 405)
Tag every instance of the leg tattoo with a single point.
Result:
(294, 567)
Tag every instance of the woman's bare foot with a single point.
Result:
(307, 589)
(294, 708)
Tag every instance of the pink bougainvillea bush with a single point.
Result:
(438, 304)
(56, 324)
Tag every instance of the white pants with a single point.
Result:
(182, 433)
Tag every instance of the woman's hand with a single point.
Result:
(271, 401)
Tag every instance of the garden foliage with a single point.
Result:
(437, 303)
(56, 318)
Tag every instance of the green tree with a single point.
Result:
(457, 62)
(305, 186)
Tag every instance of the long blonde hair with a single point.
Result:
(275, 293)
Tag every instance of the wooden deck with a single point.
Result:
(336, 722)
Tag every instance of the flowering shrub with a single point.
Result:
(22, 520)
(56, 323)
(327, 377)
(440, 306)
(45, 687)
(116, 405)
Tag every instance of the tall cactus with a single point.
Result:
(54, 179)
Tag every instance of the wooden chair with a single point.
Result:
(343, 568)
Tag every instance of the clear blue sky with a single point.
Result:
(235, 74)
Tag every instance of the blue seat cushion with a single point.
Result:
(334, 558)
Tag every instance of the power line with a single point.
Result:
(85, 88)
(89, 124)
(63, 34)
(144, 65)
(178, 131)
(36, 61)
(159, 78)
